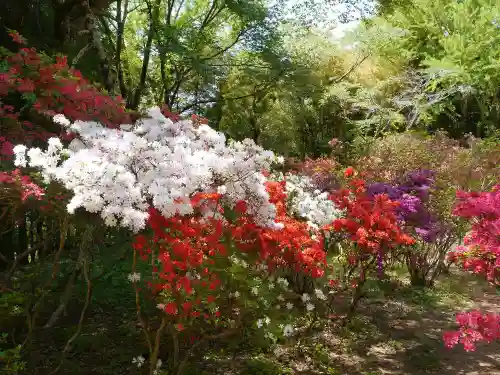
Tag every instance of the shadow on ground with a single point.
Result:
(398, 331)
(401, 334)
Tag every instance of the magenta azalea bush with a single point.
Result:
(481, 251)
(480, 254)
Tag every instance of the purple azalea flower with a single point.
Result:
(409, 203)
(382, 188)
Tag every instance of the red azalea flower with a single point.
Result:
(349, 172)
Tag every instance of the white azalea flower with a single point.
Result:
(134, 277)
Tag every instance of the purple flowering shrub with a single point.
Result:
(426, 259)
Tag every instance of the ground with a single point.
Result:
(401, 334)
(397, 331)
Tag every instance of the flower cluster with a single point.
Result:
(159, 163)
(225, 265)
(26, 186)
(294, 244)
(412, 192)
(481, 253)
(185, 248)
(370, 222)
(474, 327)
(309, 203)
(57, 88)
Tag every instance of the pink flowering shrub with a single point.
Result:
(474, 327)
(481, 251)
(23, 184)
(480, 255)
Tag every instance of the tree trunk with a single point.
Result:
(136, 97)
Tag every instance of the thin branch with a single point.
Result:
(64, 300)
(109, 34)
(213, 100)
(190, 351)
(119, 45)
(170, 7)
(181, 3)
(154, 356)
(220, 52)
(80, 54)
(141, 319)
(153, 17)
(241, 65)
(126, 13)
(84, 250)
(351, 69)
(31, 318)
(108, 15)
(4, 213)
(96, 42)
(208, 17)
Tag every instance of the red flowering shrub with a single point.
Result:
(190, 249)
(371, 224)
(228, 270)
(33, 87)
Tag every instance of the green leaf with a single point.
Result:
(29, 97)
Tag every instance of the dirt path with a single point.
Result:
(486, 359)
(400, 333)
(404, 338)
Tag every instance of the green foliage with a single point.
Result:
(10, 358)
(448, 67)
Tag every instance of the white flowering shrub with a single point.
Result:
(121, 173)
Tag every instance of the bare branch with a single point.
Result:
(220, 52)
(351, 69)
(181, 3)
(261, 89)
(80, 54)
(84, 258)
